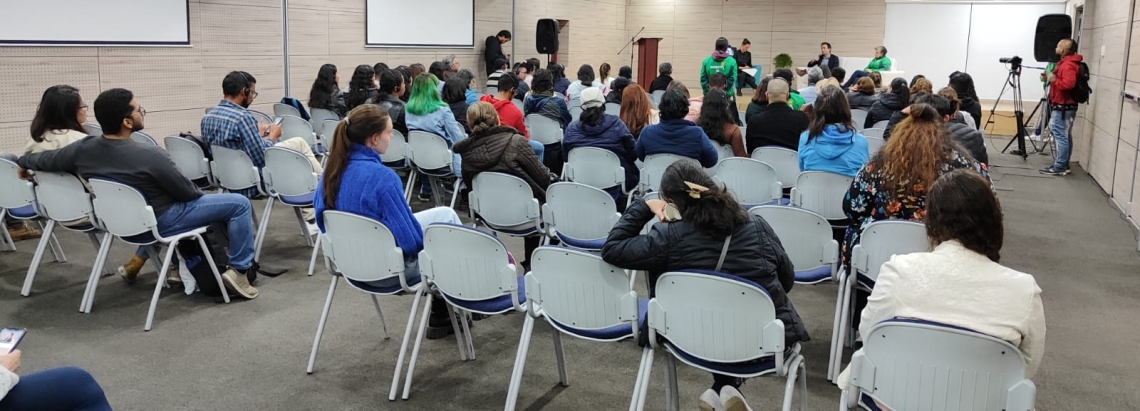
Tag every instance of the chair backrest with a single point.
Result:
(141, 137)
(882, 239)
(14, 192)
(822, 192)
(873, 133)
(654, 167)
(233, 169)
(317, 116)
(261, 117)
(289, 173)
(294, 126)
(491, 90)
(362, 249)
(874, 144)
(62, 197)
(745, 329)
(723, 151)
(595, 167)
(859, 116)
(397, 149)
(282, 110)
(543, 129)
(752, 182)
(579, 211)
(467, 264)
(613, 109)
(656, 195)
(575, 112)
(518, 103)
(881, 124)
(503, 200)
(918, 365)
(188, 157)
(577, 289)
(121, 208)
(328, 133)
(655, 96)
(428, 151)
(93, 129)
(805, 235)
(786, 163)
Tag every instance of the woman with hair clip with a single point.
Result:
(717, 122)
(831, 143)
(325, 93)
(362, 87)
(697, 218)
(894, 100)
(636, 111)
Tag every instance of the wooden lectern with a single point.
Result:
(647, 60)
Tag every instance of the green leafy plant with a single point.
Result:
(782, 60)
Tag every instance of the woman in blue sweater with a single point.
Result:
(831, 143)
(675, 135)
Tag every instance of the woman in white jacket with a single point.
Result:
(59, 389)
(960, 283)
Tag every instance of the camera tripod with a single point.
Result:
(1013, 80)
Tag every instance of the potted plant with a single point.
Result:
(782, 60)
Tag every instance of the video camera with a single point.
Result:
(1014, 62)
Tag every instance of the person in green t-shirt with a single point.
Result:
(880, 63)
(1043, 117)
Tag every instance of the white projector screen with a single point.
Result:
(420, 23)
(95, 23)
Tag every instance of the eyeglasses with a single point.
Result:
(142, 111)
(83, 107)
(252, 93)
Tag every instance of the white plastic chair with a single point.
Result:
(613, 109)
(859, 116)
(471, 271)
(93, 129)
(544, 130)
(874, 144)
(822, 192)
(595, 167)
(505, 204)
(281, 110)
(290, 179)
(655, 97)
(873, 132)
(123, 211)
(364, 252)
(747, 340)
(786, 163)
(62, 199)
(579, 215)
(234, 170)
(317, 117)
(189, 159)
(882, 125)
(878, 242)
(723, 151)
(141, 137)
(6, 242)
(294, 126)
(432, 159)
(583, 297)
(261, 117)
(807, 238)
(652, 170)
(912, 364)
(18, 201)
(491, 90)
(575, 111)
(752, 182)
(518, 103)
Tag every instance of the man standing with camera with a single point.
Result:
(1063, 82)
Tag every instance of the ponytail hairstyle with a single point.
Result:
(604, 71)
(911, 159)
(358, 126)
(702, 203)
(482, 117)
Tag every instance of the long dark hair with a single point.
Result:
(542, 81)
(593, 115)
(357, 127)
(961, 206)
(454, 91)
(604, 71)
(714, 211)
(436, 69)
(900, 89)
(586, 75)
(58, 110)
(963, 84)
(714, 115)
(321, 95)
(761, 95)
(360, 86)
(831, 107)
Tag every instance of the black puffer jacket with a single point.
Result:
(970, 139)
(882, 109)
(972, 106)
(395, 108)
(754, 253)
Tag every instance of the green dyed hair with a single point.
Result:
(425, 97)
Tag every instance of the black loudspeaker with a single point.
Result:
(1051, 28)
(546, 36)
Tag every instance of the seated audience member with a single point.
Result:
(453, 95)
(57, 389)
(759, 101)
(595, 128)
(675, 134)
(959, 116)
(963, 84)
(636, 112)
(406, 73)
(878, 79)
(58, 121)
(809, 93)
(825, 59)
(451, 67)
(503, 68)
(416, 69)
(710, 218)
(585, 80)
(469, 78)
(694, 102)
(178, 204)
(827, 81)
(325, 93)
(839, 74)
(718, 124)
(914, 80)
(664, 77)
(358, 182)
(862, 95)
(494, 146)
(880, 63)
(542, 100)
(392, 86)
(831, 143)
(626, 72)
(719, 81)
(617, 89)
(921, 84)
(436, 69)
(778, 125)
(794, 97)
(898, 116)
(427, 112)
(508, 113)
(561, 83)
(362, 87)
(604, 77)
(960, 283)
(962, 134)
(523, 75)
(744, 61)
(532, 66)
(889, 103)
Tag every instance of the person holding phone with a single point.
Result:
(59, 389)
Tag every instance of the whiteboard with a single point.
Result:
(933, 47)
(1005, 30)
(89, 22)
(420, 23)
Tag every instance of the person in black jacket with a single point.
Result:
(744, 61)
(826, 59)
(325, 93)
(493, 50)
(709, 216)
(663, 79)
(392, 86)
(778, 125)
(896, 98)
(963, 84)
(970, 139)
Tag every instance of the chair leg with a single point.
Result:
(262, 227)
(404, 344)
(408, 187)
(803, 386)
(93, 279)
(790, 384)
(153, 252)
(383, 325)
(313, 259)
(455, 192)
(416, 349)
(459, 341)
(844, 325)
(520, 363)
(466, 324)
(561, 356)
(45, 239)
(5, 238)
(56, 249)
(161, 282)
(321, 325)
(641, 386)
(95, 242)
(213, 267)
(304, 226)
(672, 398)
(831, 371)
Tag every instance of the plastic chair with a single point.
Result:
(282, 110)
(328, 133)
(873, 133)
(364, 252)
(595, 167)
(472, 272)
(579, 215)
(859, 116)
(123, 211)
(575, 112)
(141, 137)
(882, 125)
(807, 238)
(17, 198)
(874, 144)
(189, 159)
(234, 170)
(317, 116)
(747, 340)
(261, 117)
(786, 163)
(62, 199)
(652, 170)
(432, 159)
(6, 242)
(912, 364)
(505, 204)
(583, 297)
(290, 179)
(822, 192)
(544, 130)
(880, 240)
(293, 126)
(518, 103)
(93, 129)
(491, 90)
(613, 109)
(752, 182)
(723, 151)
(655, 97)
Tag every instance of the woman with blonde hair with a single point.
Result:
(636, 112)
(921, 84)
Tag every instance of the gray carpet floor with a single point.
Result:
(252, 354)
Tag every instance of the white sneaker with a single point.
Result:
(710, 401)
(313, 229)
(733, 400)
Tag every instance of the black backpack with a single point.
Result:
(218, 241)
(1081, 91)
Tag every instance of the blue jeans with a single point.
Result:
(233, 209)
(539, 149)
(1060, 126)
(59, 389)
(858, 74)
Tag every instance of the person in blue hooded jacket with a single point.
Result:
(831, 143)
(675, 135)
(595, 128)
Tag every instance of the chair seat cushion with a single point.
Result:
(595, 244)
(524, 229)
(496, 305)
(614, 333)
(868, 403)
(303, 200)
(375, 288)
(24, 212)
(760, 366)
(814, 276)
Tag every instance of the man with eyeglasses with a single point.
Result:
(178, 204)
(231, 125)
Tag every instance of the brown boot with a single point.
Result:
(24, 231)
(130, 270)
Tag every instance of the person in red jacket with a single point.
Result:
(1061, 83)
(509, 113)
